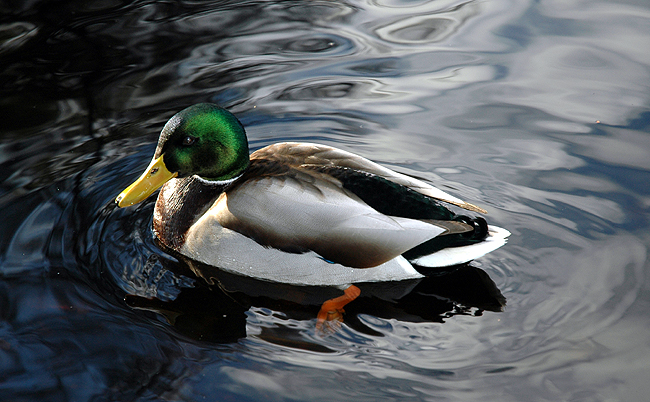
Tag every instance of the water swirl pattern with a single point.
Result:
(537, 111)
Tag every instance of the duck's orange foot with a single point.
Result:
(331, 312)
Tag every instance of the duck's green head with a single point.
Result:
(204, 140)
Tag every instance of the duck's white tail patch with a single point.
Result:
(497, 237)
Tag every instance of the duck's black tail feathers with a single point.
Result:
(479, 234)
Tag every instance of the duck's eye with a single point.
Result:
(189, 140)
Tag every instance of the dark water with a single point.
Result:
(537, 111)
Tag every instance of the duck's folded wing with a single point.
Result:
(319, 156)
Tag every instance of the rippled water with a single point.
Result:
(537, 111)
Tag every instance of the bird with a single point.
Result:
(299, 213)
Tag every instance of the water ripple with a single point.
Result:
(537, 111)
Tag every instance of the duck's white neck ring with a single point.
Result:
(220, 183)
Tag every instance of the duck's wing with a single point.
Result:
(322, 157)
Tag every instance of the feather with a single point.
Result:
(309, 155)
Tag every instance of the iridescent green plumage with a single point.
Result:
(205, 140)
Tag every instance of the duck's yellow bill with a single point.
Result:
(151, 180)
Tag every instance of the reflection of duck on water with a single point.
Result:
(296, 213)
(214, 310)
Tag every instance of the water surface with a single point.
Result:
(537, 111)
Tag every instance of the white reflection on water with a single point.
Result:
(590, 67)
(427, 22)
(620, 147)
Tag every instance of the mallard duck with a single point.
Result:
(298, 213)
